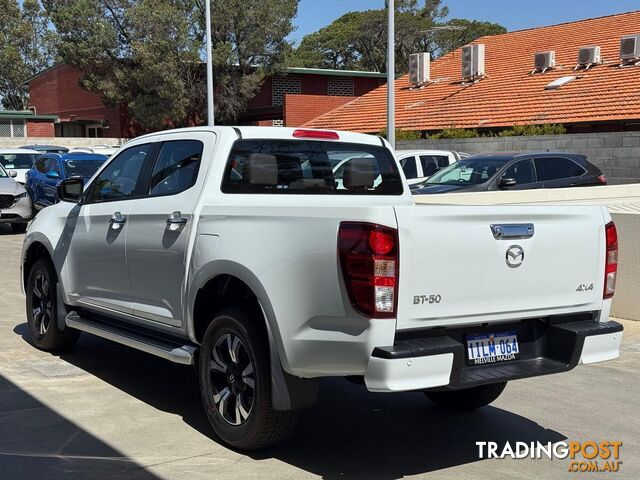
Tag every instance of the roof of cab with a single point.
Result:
(278, 133)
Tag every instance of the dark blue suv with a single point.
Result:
(49, 169)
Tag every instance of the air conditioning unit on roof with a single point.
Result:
(544, 60)
(588, 56)
(419, 68)
(472, 61)
(630, 47)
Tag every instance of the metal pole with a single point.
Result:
(211, 121)
(391, 75)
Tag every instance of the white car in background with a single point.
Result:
(18, 160)
(15, 205)
(419, 165)
(107, 150)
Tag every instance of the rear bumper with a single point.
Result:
(437, 358)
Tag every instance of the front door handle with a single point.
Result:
(176, 218)
(117, 219)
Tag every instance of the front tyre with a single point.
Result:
(468, 398)
(235, 382)
(42, 310)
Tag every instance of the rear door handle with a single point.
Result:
(117, 219)
(176, 218)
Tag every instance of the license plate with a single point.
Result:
(492, 348)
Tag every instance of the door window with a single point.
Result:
(432, 163)
(120, 178)
(41, 164)
(409, 167)
(176, 168)
(51, 165)
(550, 168)
(522, 172)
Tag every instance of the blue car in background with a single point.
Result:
(49, 169)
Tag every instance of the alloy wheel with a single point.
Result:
(41, 304)
(232, 379)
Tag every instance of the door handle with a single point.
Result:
(117, 219)
(176, 218)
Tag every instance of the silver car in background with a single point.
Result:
(15, 204)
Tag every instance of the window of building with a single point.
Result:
(12, 128)
(340, 87)
(283, 85)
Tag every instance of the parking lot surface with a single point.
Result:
(107, 411)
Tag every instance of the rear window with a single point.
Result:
(82, 168)
(310, 167)
(20, 161)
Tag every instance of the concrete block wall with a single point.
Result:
(617, 154)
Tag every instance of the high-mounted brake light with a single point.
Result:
(321, 134)
(611, 260)
(369, 261)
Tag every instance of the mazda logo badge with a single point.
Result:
(515, 256)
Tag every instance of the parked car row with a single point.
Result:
(442, 171)
(29, 179)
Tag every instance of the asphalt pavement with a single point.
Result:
(107, 411)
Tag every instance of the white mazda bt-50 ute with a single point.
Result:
(245, 253)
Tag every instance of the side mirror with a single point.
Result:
(12, 173)
(507, 182)
(53, 174)
(70, 190)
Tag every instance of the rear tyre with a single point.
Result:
(19, 227)
(235, 382)
(42, 310)
(468, 398)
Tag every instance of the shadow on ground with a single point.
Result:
(37, 443)
(349, 433)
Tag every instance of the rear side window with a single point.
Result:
(176, 167)
(550, 168)
(409, 167)
(310, 167)
(432, 163)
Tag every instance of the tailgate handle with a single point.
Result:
(506, 231)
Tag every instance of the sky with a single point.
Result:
(512, 14)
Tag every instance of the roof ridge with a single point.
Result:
(542, 27)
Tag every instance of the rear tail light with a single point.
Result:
(320, 134)
(602, 179)
(611, 262)
(369, 261)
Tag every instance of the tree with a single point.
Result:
(444, 42)
(26, 48)
(358, 40)
(147, 54)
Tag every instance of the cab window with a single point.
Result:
(120, 179)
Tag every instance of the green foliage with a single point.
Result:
(453, 132)
(147, 54)
(403, 134)
(358, 40)
(545, 129)
(26, 48)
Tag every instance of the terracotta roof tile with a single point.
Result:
(509, 94)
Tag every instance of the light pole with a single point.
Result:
(211, 121)
(391, 75)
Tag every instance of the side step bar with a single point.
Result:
(173, 352)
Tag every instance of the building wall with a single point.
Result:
(40, 129)
(617, 154)
(299, 109)
(58, 92)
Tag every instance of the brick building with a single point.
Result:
(291, 99)
(25, 123)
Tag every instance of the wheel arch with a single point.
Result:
(230, 280)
